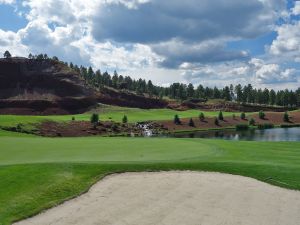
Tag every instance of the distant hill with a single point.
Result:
(33, 86)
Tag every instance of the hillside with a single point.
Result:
(32, 86)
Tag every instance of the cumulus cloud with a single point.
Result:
(255, 71)
(8, 2)
(271, 73)
(287, 43)
(296, 9)
(176, 53)
(10, 40)
(192, 20)
(186, 31)
(160, 37)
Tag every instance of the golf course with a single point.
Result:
(38, 173)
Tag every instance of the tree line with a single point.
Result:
(180, 91)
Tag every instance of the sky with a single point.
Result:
(208, 42)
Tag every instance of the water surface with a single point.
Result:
(276, 134)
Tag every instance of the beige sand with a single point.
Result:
(177, 198)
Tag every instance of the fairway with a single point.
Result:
(114, 113)
(50, 170)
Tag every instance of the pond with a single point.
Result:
(276, 134)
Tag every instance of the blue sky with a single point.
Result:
(209, 42)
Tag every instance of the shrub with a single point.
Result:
(233, 116)
(242, 126)
(261, 115)
(252, 122)
(191, 123)
(73, 118)
(221, 117)
(115, 127)
(94, 119)
(286, 117)
(177, 120)
(217, 122)
(243, 116)
(289, 125)
(265, 126)
(125, 119)
(201, 117)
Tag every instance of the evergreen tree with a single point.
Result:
(190, 91)
(94, 120)
(191, 123)
(252, 122)
(201, 117)
(216, 121)
(286, 117)
(261, 115)
(272, 97)
(220, 116)
(124, 119)
(177, 120)
(7, 54)
(243, 116)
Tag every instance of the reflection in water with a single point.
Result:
(277, 134)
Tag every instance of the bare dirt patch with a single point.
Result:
(176, 198)
(275, 118)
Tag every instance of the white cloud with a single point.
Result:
(11, 41)
(271, 73)
(8, 2)
(187, 37)
(255, 71)
(296, 9)
(287, 43)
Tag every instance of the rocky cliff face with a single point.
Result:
(42, 87)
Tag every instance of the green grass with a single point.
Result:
(37, 173)
(109, 113)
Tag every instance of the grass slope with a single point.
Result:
(37, 173)
(110, 113)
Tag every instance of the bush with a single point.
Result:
(261, 115)
(94, 119)
(286, 117)
(233, 116)
(265, 126)
(201, 117)
(191, 123)
(115, 127)
(125, 119)
(242, 126)
(221, 117)
(73, 118)
(243, 116)
(217, 122)
(177, 120)
(289, 125)
(252, 122)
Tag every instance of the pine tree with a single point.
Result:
(286, 117)
(94, 120)
(216, 121)
(125, 119)
(201, 117)
(7, 54)
(191, 123)
(243, 116)
(177, 120)
(252, 122)
(261, 115)
(220, 116)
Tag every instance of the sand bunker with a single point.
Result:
(177, 198)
